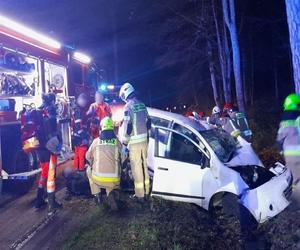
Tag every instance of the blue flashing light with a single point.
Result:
(103, 87)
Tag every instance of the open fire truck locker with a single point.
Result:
(31, 64)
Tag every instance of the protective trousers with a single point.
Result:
(79, 157)
(293, 163)
(97, 186)
(138, 162)
(52, 174)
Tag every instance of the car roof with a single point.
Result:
(180, 119)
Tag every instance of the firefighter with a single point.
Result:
(80, 138)
(288, 139)
(215, 119)
(50, 147)
(104, 156)
(228, 107)
(136, 126)
(98, 110)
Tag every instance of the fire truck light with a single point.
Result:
(111, 87)
(81, 57)
(27, 32)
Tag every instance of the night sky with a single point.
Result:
(141, 38)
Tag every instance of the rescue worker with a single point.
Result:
(136, 127)
(236, 124)
(228, 107)
(50, 147)
(80, 138)
(98, 110)
(288, 139)
(215, 118)
(104, 156)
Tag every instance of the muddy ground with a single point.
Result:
(160, 225)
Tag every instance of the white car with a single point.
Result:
(190, 162)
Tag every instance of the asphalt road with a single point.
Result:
(21, 227)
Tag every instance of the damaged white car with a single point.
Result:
(190, 162)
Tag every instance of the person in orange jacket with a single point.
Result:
(80, 135)
(98, 110)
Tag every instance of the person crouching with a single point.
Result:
(104, 156)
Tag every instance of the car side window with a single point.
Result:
(182, 149)
(186, 132)
(162, 134)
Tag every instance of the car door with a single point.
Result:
(162, 139)
(179, 168)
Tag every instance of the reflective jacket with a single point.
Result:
(237, 122)
(136, 122)
(104, 156)
(288, 137)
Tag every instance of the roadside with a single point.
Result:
(22, 227)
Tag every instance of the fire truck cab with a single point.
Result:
(32, 64)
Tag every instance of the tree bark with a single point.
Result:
(222, 54)
(230, 20)
(293, 19)
(213, 74)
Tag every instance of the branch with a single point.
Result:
(225, 12)
(183, 17)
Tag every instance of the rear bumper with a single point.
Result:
(271, 198)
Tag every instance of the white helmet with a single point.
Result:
(125, 91)
(216, 110)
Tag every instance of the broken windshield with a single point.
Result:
(222, 143)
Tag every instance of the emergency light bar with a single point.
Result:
(81, 57)
(27, 32)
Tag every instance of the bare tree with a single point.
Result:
(224, 55)
(230, 20)
(293, 19)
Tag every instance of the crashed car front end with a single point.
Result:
(266, 200)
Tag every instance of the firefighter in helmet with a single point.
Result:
(104, 156)
(288, 139)
(136, 127)
(50, 148)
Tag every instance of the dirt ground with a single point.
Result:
(21, 227)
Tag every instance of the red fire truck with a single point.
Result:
(32, 64)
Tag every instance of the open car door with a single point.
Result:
(179, 168)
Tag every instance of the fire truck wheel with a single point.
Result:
(24, 162)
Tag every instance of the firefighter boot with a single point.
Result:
(40, 201)
(53, 204)
(111, 201)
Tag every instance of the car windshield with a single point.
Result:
(221, 142)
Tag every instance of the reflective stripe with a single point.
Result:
(138, 138)
(147, 182)
(106, 179)
(291, 153)
(290, 123)
(106, 174)
(134, 125)
(139, 185)
(78, 120)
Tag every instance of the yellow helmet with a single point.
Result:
(106, 124)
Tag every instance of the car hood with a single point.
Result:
(245, 155)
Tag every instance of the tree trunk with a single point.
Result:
(228, 62)
(293, 19)
(222, 57)
(213, 75)
(229, 17)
